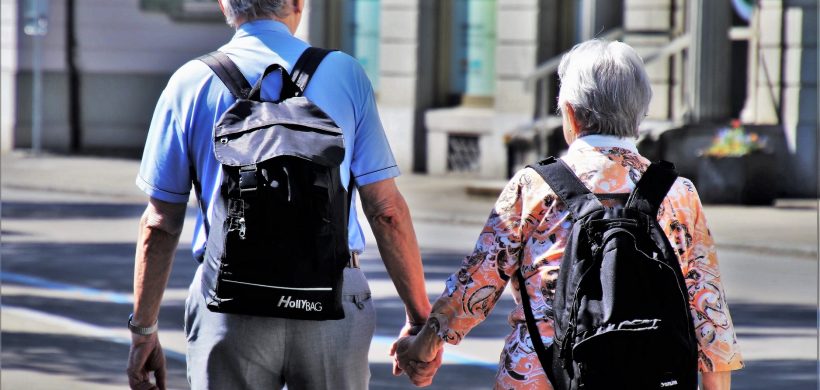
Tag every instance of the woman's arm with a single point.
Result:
(721, 380)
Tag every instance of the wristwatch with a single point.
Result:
(140, 330)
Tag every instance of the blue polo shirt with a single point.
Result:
(180, 135)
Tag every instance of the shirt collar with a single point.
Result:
(602, 141)
(259, 26)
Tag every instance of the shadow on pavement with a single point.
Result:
(105, 314)
(40, 210)
(777, 374)
(107, 266)
(761, 315)
(92, 270)
(87, 359)
(74, 210)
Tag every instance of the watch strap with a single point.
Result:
(141, 330)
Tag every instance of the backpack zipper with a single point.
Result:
(683, 295)
(573, 317)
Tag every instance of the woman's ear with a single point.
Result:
(569, 123)
(572, 120)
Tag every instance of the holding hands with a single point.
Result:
(418, 353)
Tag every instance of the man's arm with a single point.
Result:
(160, 228)
(389, 218)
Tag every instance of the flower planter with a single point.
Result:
(745, 179)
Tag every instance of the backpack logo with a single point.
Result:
(300, 304)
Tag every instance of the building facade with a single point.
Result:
(460, 83)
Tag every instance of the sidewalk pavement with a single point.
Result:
(788, 230)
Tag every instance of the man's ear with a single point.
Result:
(298, 6)
(221, 7)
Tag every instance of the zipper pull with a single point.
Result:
(242, 228)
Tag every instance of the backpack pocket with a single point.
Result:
(280, 256)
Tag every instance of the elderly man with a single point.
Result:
(228, 351)
(604, 96)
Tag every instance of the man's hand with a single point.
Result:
(420, 355)
(416, 360)
(408, 330)
(145, 357)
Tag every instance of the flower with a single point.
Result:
(734, 141)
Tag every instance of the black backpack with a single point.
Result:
(277, 244)
(621, 308)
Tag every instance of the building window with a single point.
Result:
(366, 35)
(463, 153)
(472, 53)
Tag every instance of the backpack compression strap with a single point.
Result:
(306, 66)
(532, 327)
(227, 71)
(568, 187)
(653, 187)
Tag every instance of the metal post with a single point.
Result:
(36, 26)
(74, 95)
(37, 94)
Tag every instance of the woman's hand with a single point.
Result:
(409, 329)
(417, 358)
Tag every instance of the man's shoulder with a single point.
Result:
(190, 76)
(341, 68)
(340, 59)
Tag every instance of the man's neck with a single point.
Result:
(286, 21)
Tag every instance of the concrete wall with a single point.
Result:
(407, 77)
(8, 69)
(124, 60)
(516, 55)
(647, 23)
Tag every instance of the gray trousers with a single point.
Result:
(228, 351)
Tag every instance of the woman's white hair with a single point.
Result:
(607, 87)
(252, 9)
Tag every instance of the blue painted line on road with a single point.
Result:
(448, 356)
(33, 281)
(86, 328)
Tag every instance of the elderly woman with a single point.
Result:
(605, 93)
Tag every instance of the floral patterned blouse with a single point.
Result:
(528, 229)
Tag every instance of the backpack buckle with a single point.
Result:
(248, 182)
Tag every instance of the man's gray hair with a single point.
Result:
(607, 87)
(253, 9)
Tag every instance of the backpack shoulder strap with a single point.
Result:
(653, 187)
(575, 195)
(228, 72)
(306, 66)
